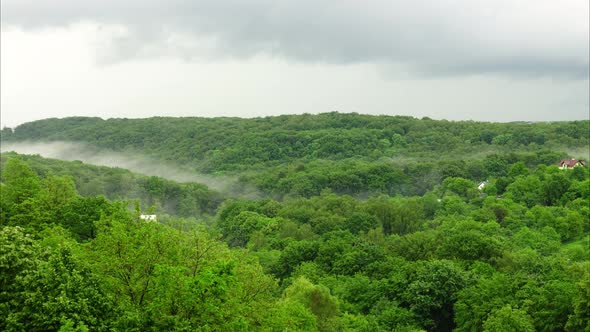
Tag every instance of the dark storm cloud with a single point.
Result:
(447, 37)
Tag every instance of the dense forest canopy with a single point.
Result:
(220, 144)
(300, 155)
(365, 223)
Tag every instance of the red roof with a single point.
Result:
(571, 162)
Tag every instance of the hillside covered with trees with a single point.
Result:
(182, 199)
(221, 144)
(300, 155)
(365, 224)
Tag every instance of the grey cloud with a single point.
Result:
(446, 37)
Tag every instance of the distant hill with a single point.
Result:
(304, 154)
(218, 144)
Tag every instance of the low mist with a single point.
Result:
(131, 161)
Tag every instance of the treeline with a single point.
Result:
(355, 177)
(233, 144)
(515, 254)
(412, 176)
(164, 196)
(301, 155)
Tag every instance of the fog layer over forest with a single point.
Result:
(134, 162)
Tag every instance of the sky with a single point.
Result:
(484, 60)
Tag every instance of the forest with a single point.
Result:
(361, 223)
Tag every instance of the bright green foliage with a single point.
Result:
(43, 289)
(81, 214)
(508, 319)
(57, 192)
(569, 224)
(579, 320)
(526, 190)
(294, 254)
(461, 187)
(453, 206)
(18, 252)
(20, 185)
(126, 252)
(475, 303)
(417, 246)
(555, 184)
(375, 224)
(469, 240)
(546, 240)
(70, 326)
(20, 182)
(59, 289)
(361, 222)
(184, 301)
(315, 298)
(177, 280)
(549, 301)
(238, 229)
(358, 293)
(392, 317)
(291, 316)
(518, 169)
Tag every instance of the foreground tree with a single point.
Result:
(48, 288)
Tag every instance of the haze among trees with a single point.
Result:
(364, 223)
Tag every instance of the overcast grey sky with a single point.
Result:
(493, 60)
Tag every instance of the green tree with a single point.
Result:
(18, 252)
(20, 180)
(57, 192)
(508, 319)
(59, 290)
(554, 186)
(470, 240)
(294, 254)
(579, 320)
(81, 214)
(361, 222)
(317, 299)
(432, 293)
(126, 251)
(526, 190)
(461, 187)
(475, 303)
(518, 169)
(43, 288)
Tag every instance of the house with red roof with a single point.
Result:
(571, 163)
